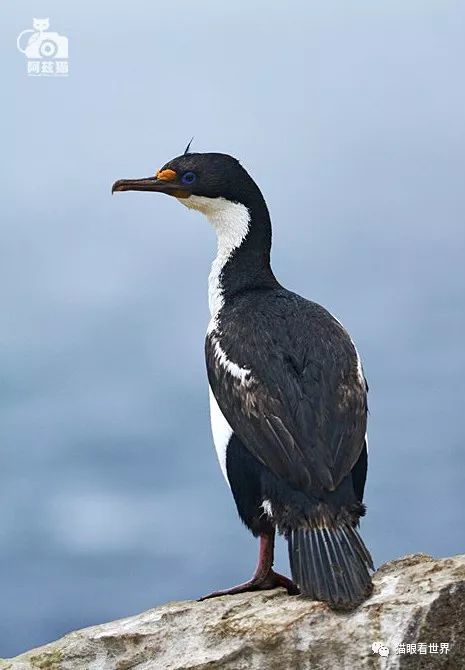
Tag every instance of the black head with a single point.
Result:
(211, 175)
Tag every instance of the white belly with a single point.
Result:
(221, 431)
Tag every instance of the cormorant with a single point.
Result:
(288, 396)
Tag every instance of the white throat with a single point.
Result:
(231, 222)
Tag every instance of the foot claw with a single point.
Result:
(272, 580)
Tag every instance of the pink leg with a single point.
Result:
(264, 576)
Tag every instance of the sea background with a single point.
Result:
(351, 118)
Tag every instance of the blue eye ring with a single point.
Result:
(188, 178)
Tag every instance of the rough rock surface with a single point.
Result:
(416, 600)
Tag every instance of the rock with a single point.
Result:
(416, 600)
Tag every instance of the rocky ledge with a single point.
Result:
(414, 619)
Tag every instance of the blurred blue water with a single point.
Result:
(352, 120)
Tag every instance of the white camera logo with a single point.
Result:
(41, 43)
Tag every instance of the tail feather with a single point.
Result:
(331, 564)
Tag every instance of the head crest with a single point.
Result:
(186, 151)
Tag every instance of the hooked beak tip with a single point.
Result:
(117, 186)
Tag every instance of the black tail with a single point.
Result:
(331, 564)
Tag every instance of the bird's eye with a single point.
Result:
(188, 178)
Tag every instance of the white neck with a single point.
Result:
(231, 222)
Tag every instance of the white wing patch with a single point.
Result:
(233, 368)
(221, 431)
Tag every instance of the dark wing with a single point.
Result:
(288, 380)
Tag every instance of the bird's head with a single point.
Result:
(220, 188)
(202, 181)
